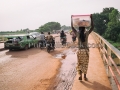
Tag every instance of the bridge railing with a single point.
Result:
(106, 51)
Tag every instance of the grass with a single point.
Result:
(115, 44)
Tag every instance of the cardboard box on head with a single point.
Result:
(81, 20)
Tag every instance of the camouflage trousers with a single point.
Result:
(83, 60)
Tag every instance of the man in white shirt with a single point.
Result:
(42, 38)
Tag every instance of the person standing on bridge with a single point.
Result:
(83, 52)
(73, 36)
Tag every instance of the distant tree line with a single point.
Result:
(21, 31)
(49, 26)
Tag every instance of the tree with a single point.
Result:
(113, 31)
(50, 26)
(101, 20)
(114, 16)
(107, 10)
(65, 27)
(113, 27)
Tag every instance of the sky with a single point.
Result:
(22, 14)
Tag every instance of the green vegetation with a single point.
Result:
(115, 44)
(50, 26)
(22, 31)
(107, 24)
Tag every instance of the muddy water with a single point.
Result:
(65, 78)
(4, 58)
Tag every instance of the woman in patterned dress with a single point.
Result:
(83, 52)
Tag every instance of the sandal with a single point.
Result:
(86, 79)
(80, 78)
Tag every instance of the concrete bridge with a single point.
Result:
(103, 70)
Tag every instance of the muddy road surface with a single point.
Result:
(32, 69)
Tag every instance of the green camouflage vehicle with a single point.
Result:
(20, 42)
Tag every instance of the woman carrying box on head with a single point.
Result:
(83, 52)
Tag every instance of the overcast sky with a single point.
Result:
(21, 14)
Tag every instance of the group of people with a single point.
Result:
(46, 39)
(63, 35)
(49, 38)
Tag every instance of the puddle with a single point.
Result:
(5, 58)
(63, 56)
(64, 79)
(65, 53)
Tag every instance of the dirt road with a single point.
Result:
(33, 69)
